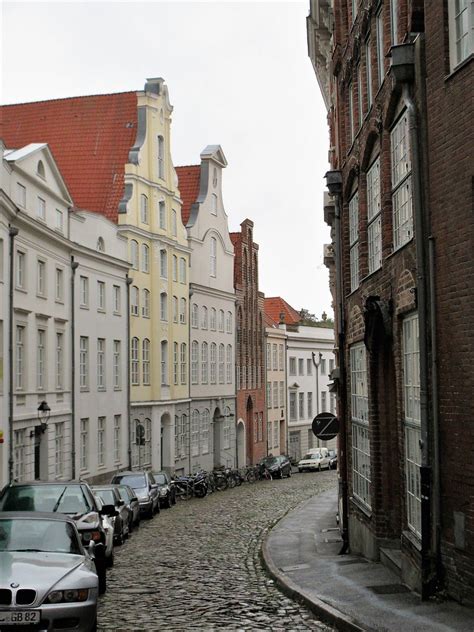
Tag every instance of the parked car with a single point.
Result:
(130, 498)
(108, 526)
(278, 466)
(111, 496)
(332, 459)
(166, 489)
(70, 497)
(145, 488)
(314, 460)
(49, 580)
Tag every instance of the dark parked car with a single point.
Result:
(278, 466)
(129, 497)
(166, 489)
(74, 498)
(145, 488)
(49, 580)
(111, 496)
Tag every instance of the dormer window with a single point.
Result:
(100, 244)
(40, 169)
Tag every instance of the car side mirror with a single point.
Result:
(153, 486)
(109, 510)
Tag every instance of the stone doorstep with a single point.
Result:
(392, 559)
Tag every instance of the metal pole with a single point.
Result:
(128, 281)
(74, 266)
(13, 232)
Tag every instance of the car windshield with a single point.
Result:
(123, 493)
(61, 498)
(312, 455)
(52, 536)
(160, 479)
(107, 496)
(132, 480)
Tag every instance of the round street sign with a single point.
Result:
(325, 426)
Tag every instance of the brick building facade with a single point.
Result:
(251, 410)
(393, 76)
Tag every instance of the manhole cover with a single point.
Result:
(347, 562)
(389, 589)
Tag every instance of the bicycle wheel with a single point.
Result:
(221, 483)
(250, 476)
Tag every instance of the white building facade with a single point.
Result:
(48, 242)
(211, 437)
(275, 364)
(310, 359)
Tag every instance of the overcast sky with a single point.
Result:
(238, 75)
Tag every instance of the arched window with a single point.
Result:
(163, 306)
(221, 363)
(175, 268)
(40, 169)
(194, 315)
(204, 318)
(100, 244)
(161, 157)
(213, 362)
(195, 433)
(229, 364)
(146, 361)
(175, 309)
(228, 323)
(163, 263)
(184, 436)
(147, 446)
(146, 303)
(214, 204)
(145, 258)
(213, 257)
(134, 300)
(164, 363)
(205, 422)
(204, 363)
(162, 214)
(134, 254)
(195, 362)
(182, 270)
(221, 320)
(144, 208)
(213, 319)
(134, 362)
(183, 363)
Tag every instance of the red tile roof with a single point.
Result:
(188, 184)
(276, 306)
(89, 137)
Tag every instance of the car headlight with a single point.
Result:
(163, 491)
(67, 596)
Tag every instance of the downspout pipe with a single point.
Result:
(189, 357)
(12, 232)
(129, 281)
(403, 68)
(74, 266)
(334, 185)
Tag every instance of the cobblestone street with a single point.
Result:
(196, 566)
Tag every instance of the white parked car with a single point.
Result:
(314, 460)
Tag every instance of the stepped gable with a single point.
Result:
(188, 185)
(275, 306)
(89, 137)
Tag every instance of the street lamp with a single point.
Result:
(44, 412)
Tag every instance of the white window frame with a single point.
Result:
(461, 31)
(163, 263)
(145, 258)
(194, 316)
(221, 363)
(205, 317)
(21, 194)
(59, 285)
(204, 431)
(195, 432)
(163, 306)
(229, 364)
(59, 226)
(20, 268)
(194, 362)
(84, 292)
(354, 240)
(117, 366)
(41, 208)
(292, 366)
(101, 441)
(134, 361)
(41, 368)
(394, 21)
(213, 363)
(144, 209)
(213, 257)
(175, 363)
(182, 310)
(412, 421)
(146, 351)
(183, 363)
(204, 363)
(134, 300)
(101, 364)
(101, 296)
(402, 200)
(59, 449)
(19, 453)
(309, 404)
(380, 45)
(134, 255)
(293, 406)
(84, 445)
(145, 303)
(162, 214)
(117, 299)
(84, 362)
(41, 278)
(213, 319)
(361, 462)
(164, 363)
(175, 268)
(374, 217)
(368, 73)
(59, 356)
(182, 270)
(117, 437)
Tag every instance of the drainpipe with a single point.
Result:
(128, 281)
(404, 68)
(334, 185)
(189, 378)
(12, 232)
(74, 266)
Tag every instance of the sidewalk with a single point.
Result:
(301, 554)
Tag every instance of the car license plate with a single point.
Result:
(20, 617)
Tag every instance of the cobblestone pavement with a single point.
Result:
(196, 566)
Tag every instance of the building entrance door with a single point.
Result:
(295, 446)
